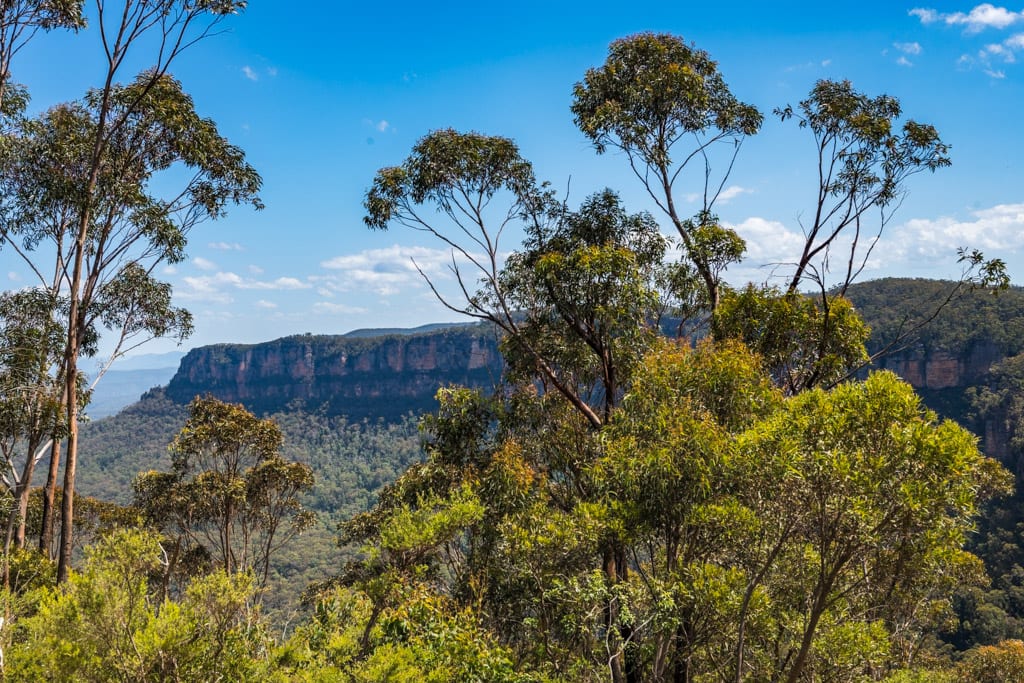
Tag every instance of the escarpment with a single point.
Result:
(359, 376)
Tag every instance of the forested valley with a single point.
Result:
(673, 477)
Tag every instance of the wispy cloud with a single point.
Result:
(14, 277)
(908, 48)
(921, 242)
(379, 125)
(387, 271)
(903, 61)
(983, 16)
(203, 264)
(226, 246)
(214, 287)
(1005, 51)
(991, 54)
(724, 196)
(267, 305)
(769, 241)
(250, 73)
(336, 309)
(808, 65)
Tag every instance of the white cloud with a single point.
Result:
(927, 16)
(732, 192)
(997, 229)
(226, 246)
(978, 19)
(203, 264)
(336, 309)
(386, 271)
(169, 270)
(903, 61)
(11, 275)
(919, 242)
(1006, 50)
(279, 283)
(724, 196)
(268, 305)
(250, 73)
(214, 287)
(768, 241)
(808, 65)
(1000, 51)
(394, 262)
(908, 48)
(381, 125)
(255, 270)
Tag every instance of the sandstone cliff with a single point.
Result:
(357, 376)
(943, 369)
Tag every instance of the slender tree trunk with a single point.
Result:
(7, 550)
(630, 656)
(817, 609)
(49, 493)
(611, 616)
(22, 492)
(681, 670)
(67, 507)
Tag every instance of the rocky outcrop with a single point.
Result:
(357, 376)
(941, 369)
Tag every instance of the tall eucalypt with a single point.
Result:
(665, 105)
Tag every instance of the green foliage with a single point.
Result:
(448, 168)
(106, 625)
(423, 638)
(805, 342)
(653, 90)
(585, 288)
(863, 164)
(710, 526)
(993, 663)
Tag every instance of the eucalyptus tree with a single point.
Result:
(665, 105)
(86, 187)
(581, 276)
(230, 496)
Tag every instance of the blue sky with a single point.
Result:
(321, 95)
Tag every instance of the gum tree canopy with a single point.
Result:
(634, 508)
